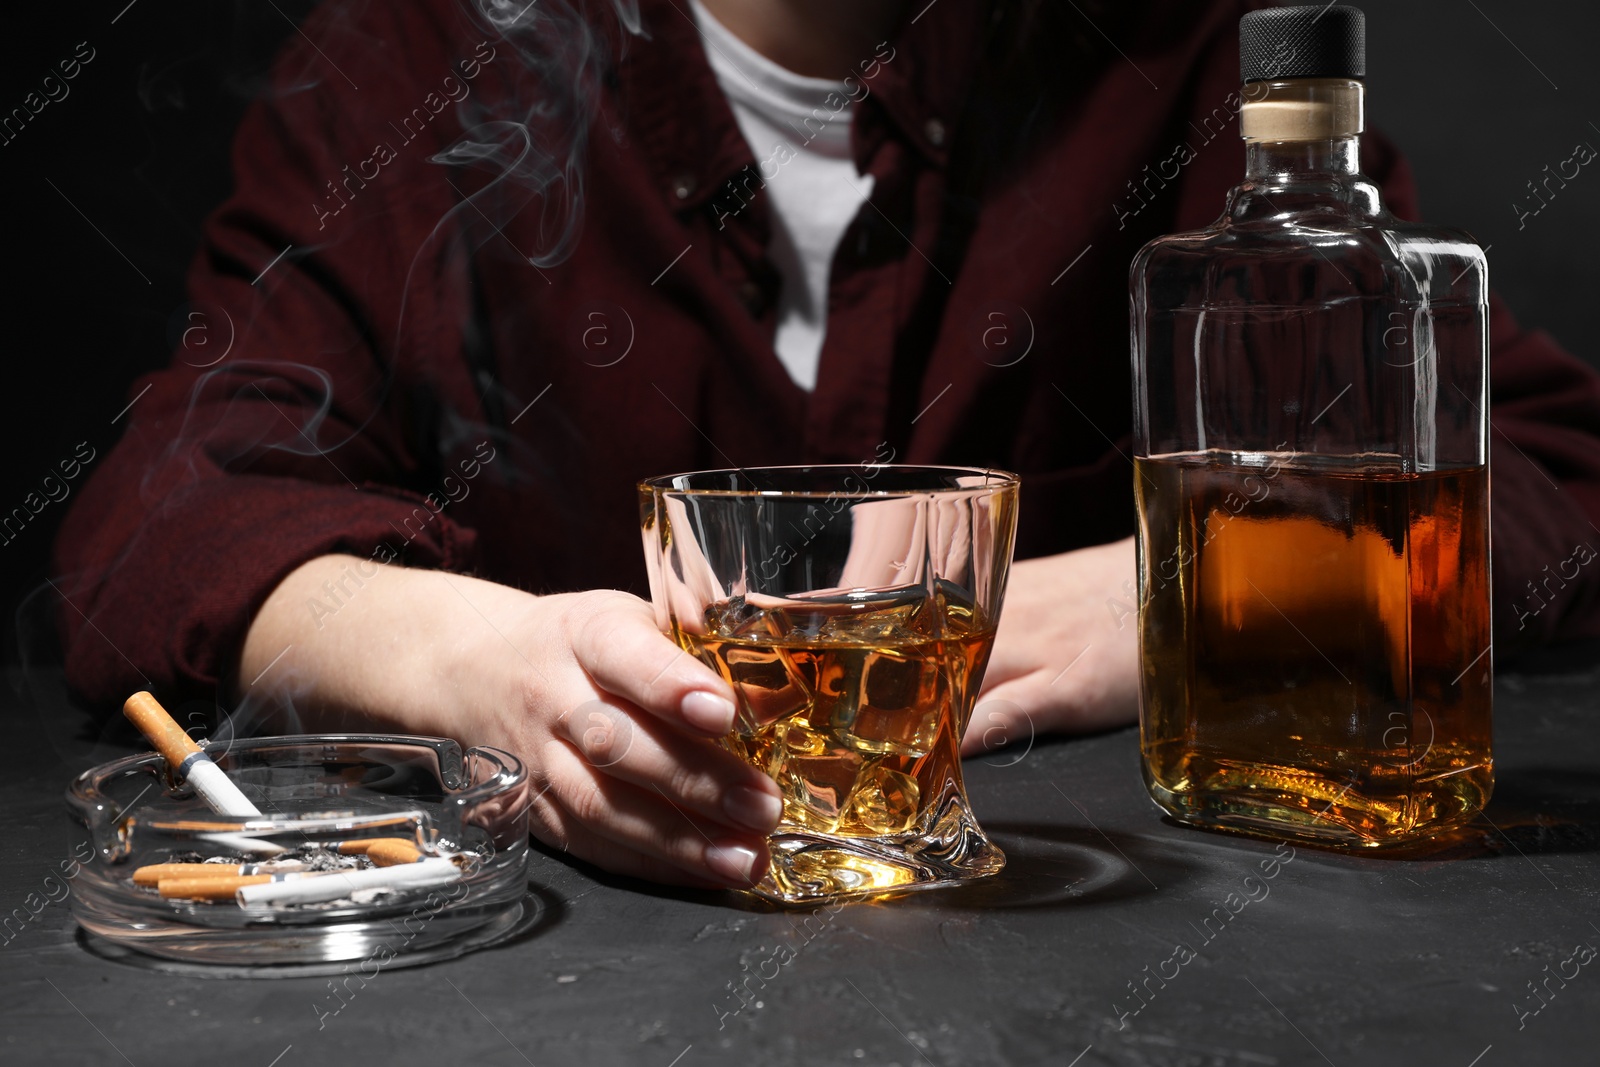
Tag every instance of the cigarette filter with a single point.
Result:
(382, 851)
(153, 873)
(333, 885)
(187, 759)
(222, 888)
(391, 852)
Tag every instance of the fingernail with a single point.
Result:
(755, 808)
(732, 862)
(708, 712)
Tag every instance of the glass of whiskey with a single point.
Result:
(852, 610)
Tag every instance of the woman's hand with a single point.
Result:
(615, 722)
(1066, 657)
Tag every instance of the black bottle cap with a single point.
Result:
(1311, 41)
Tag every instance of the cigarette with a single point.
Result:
(151, 874)
(221, 888)
(382, 851)
(334, 885)
(187, 759)
(280, 822)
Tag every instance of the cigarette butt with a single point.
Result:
(332, 885)
(208, 888)
(186, 759)
(279, 823)
(393, 853)
(224, 888)
(382, 851)
(154, 873)
(195, 826)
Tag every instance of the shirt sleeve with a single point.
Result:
(286, 426)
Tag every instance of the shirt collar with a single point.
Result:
(672, 105)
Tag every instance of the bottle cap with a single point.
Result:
(1311, 41)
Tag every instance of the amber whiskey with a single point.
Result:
(855, 704)
(1315, 646)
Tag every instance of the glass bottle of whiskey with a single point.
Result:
(1311, 423)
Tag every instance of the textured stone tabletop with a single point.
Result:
(1112, 937)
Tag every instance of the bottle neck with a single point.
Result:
(1302, 126)
(1338, 156)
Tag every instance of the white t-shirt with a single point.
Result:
(801, 140)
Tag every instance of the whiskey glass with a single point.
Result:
(852, 610)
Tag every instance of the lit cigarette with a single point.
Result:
(334, 885)
(222, 888)
(382, 851)
(156, 872)
(187, 759)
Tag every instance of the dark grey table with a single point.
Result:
(1337, 959)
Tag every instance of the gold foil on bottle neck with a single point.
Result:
(1302, 109)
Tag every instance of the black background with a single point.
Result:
(1481, 94)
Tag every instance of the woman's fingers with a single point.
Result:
(556, 827)
(1050, 701)
(647, 822)
(997, 723)
(709, 782)
(614, 637)
(631, 779)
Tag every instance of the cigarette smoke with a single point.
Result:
(535, 141)
(273, 416)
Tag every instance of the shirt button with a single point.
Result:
(863, 244)
(683, 186)
(754, 299)
(934, 129)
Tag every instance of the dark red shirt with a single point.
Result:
(474, 286)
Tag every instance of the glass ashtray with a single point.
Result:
(326, 800)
